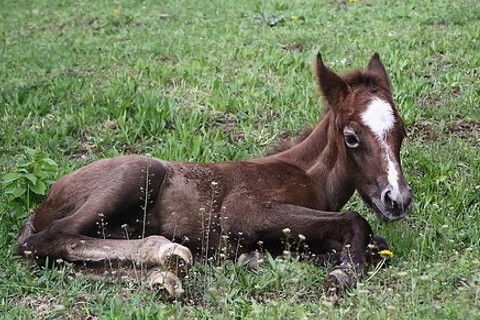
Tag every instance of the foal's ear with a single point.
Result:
(333, 88)
(375, 65)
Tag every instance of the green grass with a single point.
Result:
(209, 81)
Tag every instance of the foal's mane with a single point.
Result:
(366, 79)
(355, 79)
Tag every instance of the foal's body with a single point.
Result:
(135, 208)
(247, 201)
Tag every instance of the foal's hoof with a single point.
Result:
(339, 279)
(167, 280)
(252, 260)
(175, 258)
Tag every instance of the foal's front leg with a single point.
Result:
(347, 232)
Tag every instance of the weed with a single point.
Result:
(29, 182)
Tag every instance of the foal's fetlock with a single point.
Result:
(252, 260)
(342, 277)
(166, 280)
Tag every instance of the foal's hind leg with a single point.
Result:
(118, 189)
(64, 240)
(164, 260)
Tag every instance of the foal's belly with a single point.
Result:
(189, 205)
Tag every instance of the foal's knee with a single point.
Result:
(37, 247)
(359, 225)
(356, 219)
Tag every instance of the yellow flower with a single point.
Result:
(386, 253)
(297, 18)
(352, 0)
(116, 12)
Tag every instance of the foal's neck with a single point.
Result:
(323, 158)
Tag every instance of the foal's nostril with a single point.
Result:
(388, 202)
(385, 196)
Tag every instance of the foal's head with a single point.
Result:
(369, 131)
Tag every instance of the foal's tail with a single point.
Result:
(25, 233)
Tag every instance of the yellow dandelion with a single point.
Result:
(352, 0)
(386, 253)
(297, 18)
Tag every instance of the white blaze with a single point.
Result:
(380, 119)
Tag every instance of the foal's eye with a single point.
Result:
(351, 140)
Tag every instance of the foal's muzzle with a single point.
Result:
(395, 202)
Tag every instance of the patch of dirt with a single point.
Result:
(466, 130)
(109, 125)
(86, 147)
(293, 47)
(421, 132)
(43, 306)
(438, 59)
(81, 306)
(166, 58)
(117, 19)
(84, 150)
(47, 306)
(229, 124)
(87, 22)
(133, 148)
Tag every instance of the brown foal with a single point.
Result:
(146, 206)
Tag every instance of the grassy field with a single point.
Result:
(220, 80)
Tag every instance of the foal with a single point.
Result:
(146, 205)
